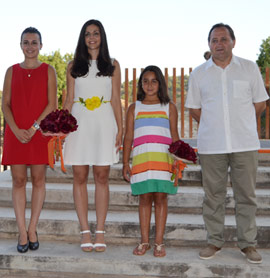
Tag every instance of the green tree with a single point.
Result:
(59, 62)
(264, 56)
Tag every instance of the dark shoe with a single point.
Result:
(252, 255)
(22, 248)
(209, 252)
(34, 245)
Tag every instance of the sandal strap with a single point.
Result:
(100, 232)
(100, 245)
(85, 232)
(159, 246)
(83, 245)
(141, 245)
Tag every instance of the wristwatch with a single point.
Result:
(35, 126)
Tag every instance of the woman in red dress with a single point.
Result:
(29, 94)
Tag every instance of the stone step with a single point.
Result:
(66, 260)
(123, 227)
(188, 200)
(191, 175)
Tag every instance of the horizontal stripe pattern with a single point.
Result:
(150, 148)
(151, 139)
(153, 186)
(150, 175)
(152, 156)
(152, 164)
(153, 130)
(152, 122)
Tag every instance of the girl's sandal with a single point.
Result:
(100, 247)
(87, 247)
(141, 249)
(159, 250)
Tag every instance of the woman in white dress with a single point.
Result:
(93, 97)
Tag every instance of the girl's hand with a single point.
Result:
(126, 171)
(23, 135)
(118, 141)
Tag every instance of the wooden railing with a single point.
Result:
(188, 127)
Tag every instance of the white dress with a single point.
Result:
(93, 143)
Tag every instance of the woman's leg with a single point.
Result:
(101, 178)
(161, 212)
(38, 195)
(19, 178)
(80, 195)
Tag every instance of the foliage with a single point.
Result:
(264, 56)
(59, 62)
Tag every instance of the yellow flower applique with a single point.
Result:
(92, 103)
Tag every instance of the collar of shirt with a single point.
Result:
(210, 63)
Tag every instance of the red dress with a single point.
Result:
(29, 97)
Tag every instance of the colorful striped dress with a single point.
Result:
(152, 164)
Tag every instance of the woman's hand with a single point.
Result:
(23, 135)
(118, 141)
(126, 171)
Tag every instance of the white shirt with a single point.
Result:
(226, 98)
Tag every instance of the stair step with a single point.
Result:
(191, 175)
(123, 227)
(61, 259)
(188, 199)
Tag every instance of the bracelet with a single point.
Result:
(127, 163)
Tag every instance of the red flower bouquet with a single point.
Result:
(183, 151)
(57, 124)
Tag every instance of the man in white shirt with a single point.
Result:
(225, 96)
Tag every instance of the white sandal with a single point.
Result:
(97, 245)
(88, 244)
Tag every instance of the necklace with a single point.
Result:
(29, 72)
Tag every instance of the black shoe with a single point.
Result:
(22, 248)
(34, 245)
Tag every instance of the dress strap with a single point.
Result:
(137, 108)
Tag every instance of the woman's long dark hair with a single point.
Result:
(82, 59)
(162, 91)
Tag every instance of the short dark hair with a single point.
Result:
(81, 62)
(162, 91)
(220, 25)
(32, 30)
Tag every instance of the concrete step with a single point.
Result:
(62, 259)
(188, 200)
(191, 175)
(123, 227)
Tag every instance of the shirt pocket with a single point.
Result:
(241, 89)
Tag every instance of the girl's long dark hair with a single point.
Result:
(162, 91)
(82, 59)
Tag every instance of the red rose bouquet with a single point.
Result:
(57, 124)
(182, 152)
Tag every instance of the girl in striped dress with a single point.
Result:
(151, 126)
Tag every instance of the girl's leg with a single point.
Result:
(19, 178)
(80, 195)
(38, 196)
(161, 212)
(145, 211)
(101, 178)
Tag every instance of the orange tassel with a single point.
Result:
(54, 145)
